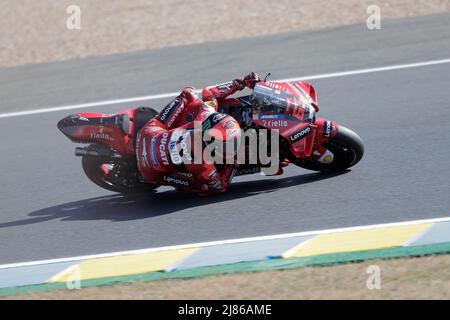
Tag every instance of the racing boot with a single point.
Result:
(280, 171)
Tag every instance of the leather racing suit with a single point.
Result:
(157, 161)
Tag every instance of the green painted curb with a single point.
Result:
(249, 266)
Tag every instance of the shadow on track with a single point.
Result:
(122, 208)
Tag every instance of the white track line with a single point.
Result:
(212, 243)
(88, 105)
(173, 94)
(369, 70)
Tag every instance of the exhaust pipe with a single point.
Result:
(81, 152)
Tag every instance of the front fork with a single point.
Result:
(326, 130)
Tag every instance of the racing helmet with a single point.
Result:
(222, 133)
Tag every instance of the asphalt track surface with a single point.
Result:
(49, 209)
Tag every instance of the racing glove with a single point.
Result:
(251, 79)
(220, 181)
(248, 81)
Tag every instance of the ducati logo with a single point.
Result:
(162, 148)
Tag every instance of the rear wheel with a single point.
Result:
(347, 148)
(112, 174)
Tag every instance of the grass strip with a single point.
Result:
(248, 266)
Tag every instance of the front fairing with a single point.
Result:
(270, 98)
(290, 111)
(300, 135)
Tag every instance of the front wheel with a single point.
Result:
(347, 148)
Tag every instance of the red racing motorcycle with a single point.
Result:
(317, 144)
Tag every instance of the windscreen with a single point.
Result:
(269, 101)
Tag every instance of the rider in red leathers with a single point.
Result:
(163, 145)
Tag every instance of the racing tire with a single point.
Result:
(92, 167)
(347, 147)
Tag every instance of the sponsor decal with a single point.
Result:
(224, 87)
(174, 154)
(215, 182)
(168, 110)
(219, 116)
(263, 86)
(174, 117)
(217, 185)
(185, 174)
(206, 125)
(144, 153)
(274, 116)
(184, 146)
(275, 123)
(231, 132)
(327, 157)
(300, 134)
(176, 135)
(227, 124)
(162, 148)
(327, 129)
(173, 180)
(153, 152)
(101, 135)
(276, 86)
(178, 143)
(212, 120)
(212, 174)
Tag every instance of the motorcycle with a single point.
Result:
(317, 144)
